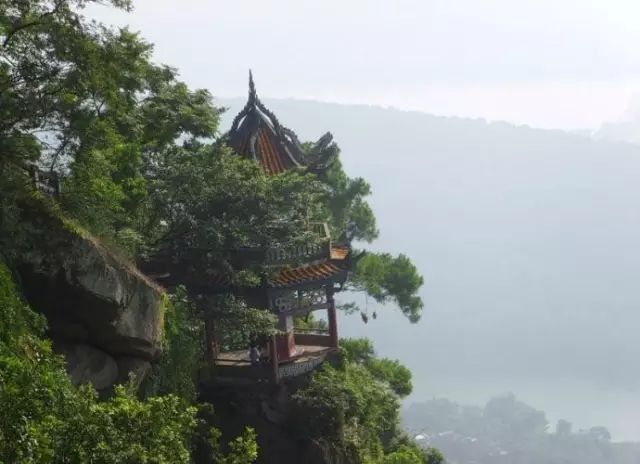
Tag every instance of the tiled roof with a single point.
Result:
(333, 267)
(306, 274)
(256, 133)
(339, 252)
(262, 143)
(271, 158)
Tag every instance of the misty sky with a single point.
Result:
(547, 63)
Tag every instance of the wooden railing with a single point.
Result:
(232, 369)
(314, 331)
(316, 338)
(302, 252)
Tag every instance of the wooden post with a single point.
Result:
(273, 352)
(210, 335)
(333, 320)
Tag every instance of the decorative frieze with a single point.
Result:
(299, 301)
(298, 368)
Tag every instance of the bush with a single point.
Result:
(360, 351)
(354, 409)
(183, 351)
(45, 419)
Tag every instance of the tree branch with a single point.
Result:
(29, 24)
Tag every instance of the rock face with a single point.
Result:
(88, 364)
(103, 314)
(267, 409)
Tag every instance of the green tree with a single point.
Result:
(411, 454)
(77, 95)
(351, 217)
(391, 372)
(178, 369)
(237, 324)
(390, 279)
(356, 405)
(209, 203)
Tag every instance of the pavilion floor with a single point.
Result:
(241, 357)
(237, 365)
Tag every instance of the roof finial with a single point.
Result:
(252, 87)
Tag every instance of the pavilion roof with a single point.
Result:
(332, 269)
(257, 134)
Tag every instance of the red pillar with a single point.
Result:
(273, 354)
(333, 320)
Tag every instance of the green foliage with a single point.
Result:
(356, 406)
(347, 406)
(98, 107)
(237, 324)
(141, 169)
(411, 454)
(242, 449)
(390, 279)
(310, 322)
(349, 213)
(130, 135)
(391, 372)
(91, 188)
(177, 371)
(53, 70)
(18, 324)
(434, 456)
(209, 449)
(46, 420)
(357, 350)
(207, 203)
(14, 186)
(385, 278)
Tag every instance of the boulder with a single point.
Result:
(86, 364)
(94, 300)
(132, 369)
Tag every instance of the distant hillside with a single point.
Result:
(508, 431)
(626, 128)
(528, 241)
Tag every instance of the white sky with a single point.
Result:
(568, 64)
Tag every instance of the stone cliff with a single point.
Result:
(103, 314)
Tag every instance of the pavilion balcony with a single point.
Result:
(313, 346)
(306, 252)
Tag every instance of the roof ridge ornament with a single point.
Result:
(257, 129)
(254, 104)
(253, 96)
